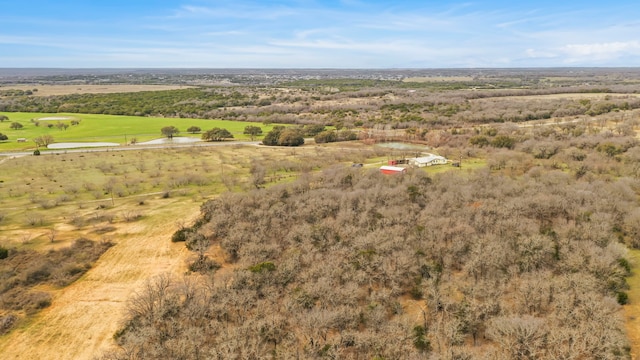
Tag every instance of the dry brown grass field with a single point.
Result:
(83, 317)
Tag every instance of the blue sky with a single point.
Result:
(318, 34)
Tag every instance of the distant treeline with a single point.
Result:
(194, 101)
(347, 102)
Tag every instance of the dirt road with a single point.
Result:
(83, 317)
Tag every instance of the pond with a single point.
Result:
(50, 118)
(404, 146)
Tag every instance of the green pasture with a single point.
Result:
(107, 128)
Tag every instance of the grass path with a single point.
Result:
(632, 310)
(83, 317)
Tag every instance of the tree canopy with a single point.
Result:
(43, 140)
(333, 136)
(194, 129)
(282, 136)
(169, 131)
(252, 131)
(216, 134)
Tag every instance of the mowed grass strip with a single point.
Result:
(107, 128)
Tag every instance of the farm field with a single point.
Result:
(105, 128)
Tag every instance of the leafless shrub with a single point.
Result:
(78, 221)
(101, 216)
(26, 237)
(131, 215)
(120, 191)
(6, 322)
(34, 219)
(71, 189)
(51, 234)
(149, 303)
(97, 194)
(63, 198)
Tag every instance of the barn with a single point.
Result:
(428, 160)
(392, 170)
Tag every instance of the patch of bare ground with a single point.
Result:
(48, 90)
(414, 310)
(83, 317)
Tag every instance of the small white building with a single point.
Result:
(428, 160)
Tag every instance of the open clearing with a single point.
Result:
(84, 316)
(48, 90)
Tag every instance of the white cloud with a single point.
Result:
(600, 49)
(373, 47)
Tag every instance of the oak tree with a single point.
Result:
(169, 131)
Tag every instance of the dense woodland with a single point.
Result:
(525, 259)
(389, 106)
(370, 99)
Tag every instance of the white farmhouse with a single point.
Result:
(428, 160)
